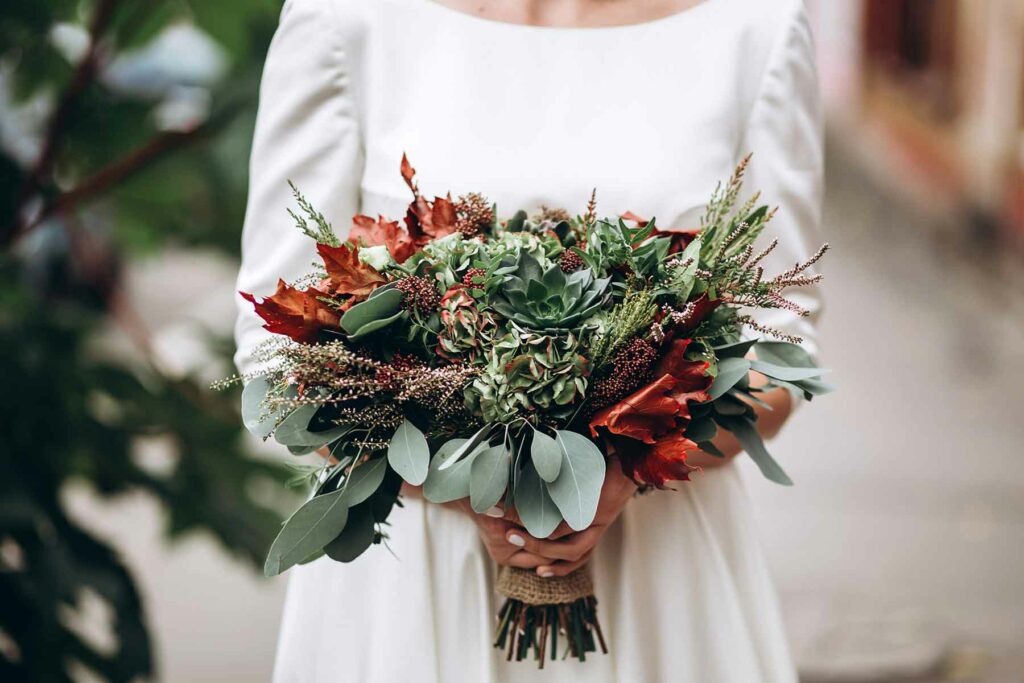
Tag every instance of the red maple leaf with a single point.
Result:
(424, 221)
(295, 313)
(657, 464)
(374, 232)
(693, 381)
(643, 415)
(346, 274)
(647, 426)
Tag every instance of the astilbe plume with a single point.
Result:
(570, 261)
(630, 369)
(418, 294)
(365, 391)
(473, 214)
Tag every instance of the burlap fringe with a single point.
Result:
(539, 611)
(524, 585)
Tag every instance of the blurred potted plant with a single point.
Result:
(115, 137)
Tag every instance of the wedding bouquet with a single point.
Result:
(510, 361)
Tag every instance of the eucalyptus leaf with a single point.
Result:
(711, 449)
(547, 456)
(355, 538)
(383, 500)
(736, 350)
(364, 481)
(730, 372)
(443, 486)
(786, 372)
(815, 386)
(538, 512)
(578, 487)
(701, 430)
(746, 395)
(308, 530)
(784, 353)
(375, 325)
(488, 478)
(746, 433)
(466, 447)
(331, 476)
(312, 558)
(409, 454)
(294, 430)
(379, 307)
(254, 415)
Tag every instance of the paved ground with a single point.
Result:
(899, 553)
(904, 536)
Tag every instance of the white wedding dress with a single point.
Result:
(653, 115)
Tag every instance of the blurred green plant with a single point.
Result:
(104, 166)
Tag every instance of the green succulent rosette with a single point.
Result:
(549, 299)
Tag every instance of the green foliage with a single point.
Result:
(625, 321)
(321, 230)
(577, 488)
(548, 299)
(409, 454)
(527, 372)
(539, 513)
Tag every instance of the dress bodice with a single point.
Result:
(652, 115)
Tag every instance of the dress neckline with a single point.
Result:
(666, 20)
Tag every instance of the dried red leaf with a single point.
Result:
(374, 232)
(660, 463)
(407, 174)
(295, 313)
(630, 216)
(655, 417)
(693, 381)
(442, 217)
(643, 415)
(346, 274)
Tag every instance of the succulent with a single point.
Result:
(549, 299)
(528, 372)
(465, 329)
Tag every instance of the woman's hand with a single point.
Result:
(570, 549)
(494, 527)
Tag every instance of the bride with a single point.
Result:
(535, 102)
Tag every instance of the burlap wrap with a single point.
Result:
(524, 585)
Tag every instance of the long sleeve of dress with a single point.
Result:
(784, 132)
(307, 132)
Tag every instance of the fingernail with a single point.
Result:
(516, 539)
(545, 573)
(495, 512)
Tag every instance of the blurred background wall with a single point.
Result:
(122, 182)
